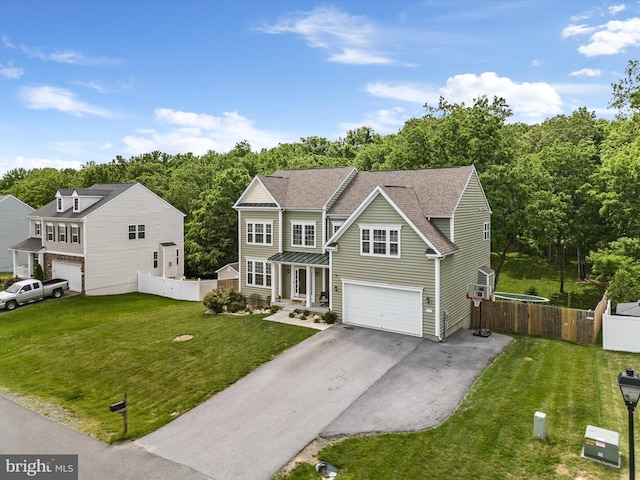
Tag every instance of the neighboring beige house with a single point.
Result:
(392, 250)
(14, 226)
(100, 237)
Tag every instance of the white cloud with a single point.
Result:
(530, 101)
(348, 39)
(612, 38)
(198, 133)
(587, 72)
(614, 9)
(29, 163)
(10, 71)
(53, 98)
(383, 121)
(536, 63)
(573, 30)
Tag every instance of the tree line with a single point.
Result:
(570, 183)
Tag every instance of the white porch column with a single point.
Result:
(279, 292)
(273, 284)
(308, 301)
(15, 263)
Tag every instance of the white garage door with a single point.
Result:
(68, 271)
(383, 307)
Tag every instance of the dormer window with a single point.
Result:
(76, 204)
(59, 204)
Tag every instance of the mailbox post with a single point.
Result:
(121, 407)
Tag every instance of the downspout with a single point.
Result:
(240, 262)
(437, 295)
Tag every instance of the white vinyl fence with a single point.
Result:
(620, 332)
(191, 290)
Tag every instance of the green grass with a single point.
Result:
(82, 353)
(490, 436)
(521, 272)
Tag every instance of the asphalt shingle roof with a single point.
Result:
(106, 190)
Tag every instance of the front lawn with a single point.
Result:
(82, 353)
(490, 436)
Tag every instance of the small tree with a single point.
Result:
(625, 285)
(38, 273)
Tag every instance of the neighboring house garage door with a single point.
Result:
(68, 271)
(397, 309)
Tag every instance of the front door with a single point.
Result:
(300, 282)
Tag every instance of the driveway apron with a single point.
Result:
(253, 428)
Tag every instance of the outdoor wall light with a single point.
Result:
(629, 384)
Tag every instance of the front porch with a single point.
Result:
(302, 281)
(287, 305)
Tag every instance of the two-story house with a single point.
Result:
(15, 226)
(99, 238)
(392, 250)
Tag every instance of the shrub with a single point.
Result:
(303, 317)
(255, 301)
(222, 299)
(330, 317)
(532, 290)
(38, 273)
(10, 281)
(292, 315)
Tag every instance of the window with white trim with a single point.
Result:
(50, 232)
(75, 234)
(76, 204)
(380, 241)
(303, 234)
(62, 233)
(259, 233)
(486, 231)
(336, 226)
(258, 273)
(38, 229)
(155, 259)
(59, 204)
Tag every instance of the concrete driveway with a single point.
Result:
(343, 380)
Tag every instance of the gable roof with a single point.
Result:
(108, 191)
(405, 202)
(8, 197)
(307, 188)
(437, 190)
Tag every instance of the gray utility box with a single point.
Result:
(602, 446)
(540, 426)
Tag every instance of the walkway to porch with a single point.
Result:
(288, 306)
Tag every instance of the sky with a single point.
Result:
(86, 81)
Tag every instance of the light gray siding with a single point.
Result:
(461, 268)
(14, 227)
(112, 260)
(411, 269)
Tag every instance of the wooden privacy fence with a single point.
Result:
(569, 324)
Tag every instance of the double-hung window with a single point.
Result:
(62, 233)
(303, 234)
(258, 273)
(486, 231)
(38, 229)
(259, 233)
(75, 234)
(49, 232)
(381, 241)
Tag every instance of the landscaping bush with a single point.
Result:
(224, 299)
(532, 290)
(9, 281)
(255, 301)
(38, 273)
(330, 317)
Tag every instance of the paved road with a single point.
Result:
(23, 431)
(340, 381)
(343, 380)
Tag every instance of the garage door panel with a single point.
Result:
(384, 308)
(68, 271)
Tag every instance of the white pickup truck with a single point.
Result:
(32, 290)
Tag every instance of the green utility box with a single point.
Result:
(602, 446)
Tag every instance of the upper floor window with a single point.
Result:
(380, 241)
(177, 257)
(59, 204)
(303, 234)
(62, 233)
(75, 234)
(260, 233)
(336, 226)
(258, 273)
(49, 232)
(76, 204)
(136, 231)
(38, 229)
(155, 259)
(486, 231)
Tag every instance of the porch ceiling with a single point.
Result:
(301, 258)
